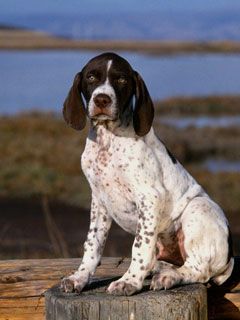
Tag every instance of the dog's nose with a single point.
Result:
(102, 100)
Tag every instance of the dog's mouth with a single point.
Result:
(103, 115)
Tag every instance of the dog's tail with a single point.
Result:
(229, 278)
(221, 278)
(230, 275)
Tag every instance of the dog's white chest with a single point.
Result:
(106, 170)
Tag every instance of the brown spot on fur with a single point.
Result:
(148, 233)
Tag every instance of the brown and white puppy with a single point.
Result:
(181, 235)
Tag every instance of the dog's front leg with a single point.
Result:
(100, 223)
(143, 250)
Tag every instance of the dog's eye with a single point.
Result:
(91, 78)
(122, 80)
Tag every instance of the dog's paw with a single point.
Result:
(74, 283)
(165, 280)
(122, 288)
(67, 285)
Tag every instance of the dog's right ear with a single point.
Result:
(73, 108)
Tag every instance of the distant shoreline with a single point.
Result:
(176, 106)
(13, 39)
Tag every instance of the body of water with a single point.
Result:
(221, 165)
(41, 80)
(201, 121)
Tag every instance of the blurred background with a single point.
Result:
(189, 56)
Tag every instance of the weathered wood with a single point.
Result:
(187, 302)
(23, 278)
(23, 308)
(23, 283)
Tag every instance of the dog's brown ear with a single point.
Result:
(73, 107)
(143, 112)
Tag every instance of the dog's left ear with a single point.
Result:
(143, 112)
(73, 107)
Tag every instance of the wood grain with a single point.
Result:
(24, 282)
(186, 302)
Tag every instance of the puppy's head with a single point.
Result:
(108, 85)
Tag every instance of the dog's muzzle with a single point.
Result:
(102, 101)
(102, 106)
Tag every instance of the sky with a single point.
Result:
(12, 7)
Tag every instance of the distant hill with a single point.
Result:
(7, 27)
(204, 26)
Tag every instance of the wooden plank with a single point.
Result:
(23, 282)
(23, 278)
(22, 308)
(26, 288)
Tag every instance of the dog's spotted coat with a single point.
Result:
(181, 235)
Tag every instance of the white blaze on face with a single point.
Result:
(109, 64)
(105, 88)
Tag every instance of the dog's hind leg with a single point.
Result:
(206, 246)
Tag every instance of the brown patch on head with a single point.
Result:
(73, 108)
(143, 111)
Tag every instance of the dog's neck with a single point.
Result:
(110, 129)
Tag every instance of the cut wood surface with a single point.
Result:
(24, 282)
(185, 303)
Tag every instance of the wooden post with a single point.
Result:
(186, 302)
